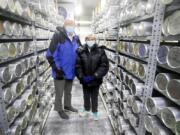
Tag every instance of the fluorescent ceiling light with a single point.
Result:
(78, 9)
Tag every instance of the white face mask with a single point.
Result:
(69, 29)
(90, 43)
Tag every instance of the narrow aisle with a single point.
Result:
(78, 125)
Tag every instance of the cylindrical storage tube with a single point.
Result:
(125, 94)
(145, 29)
(134, 120)
(135, 67)
(173, 23)
(162, 54)
(170, 116)
(130, 132)
(16, 130)
(174, 57)
(155, 104)
(173, 89)
(177, 128)
(20, 105)
(124, 126)
(23, 122)
(7, 27)
(166, 2)
(162, 80)
(17, 88)
(150, 6)
(4, 4)
(127, 78)
(161, 130)
(137, 105)
(5, 74)
(126, 112)
(12, 50)
(16, 69)
(130, 100)
(11, 113)
(29, 97)
(15, 29)
(7, 95)
(18, 8)
(136, 49)
(150, 122)
(19, 48)
(142, 71)
(143, 51)
(131, 48)
(11, 5)
(137, 89)
(4, 51)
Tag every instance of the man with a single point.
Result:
(91, 66)
(61, 56)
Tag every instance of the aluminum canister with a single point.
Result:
(136, 49)
(150, 6)
(7, 28)
(137, 89)
(4, 4)
(155, 104)
(177, 128)
(134, 120)
(4, 51)
(12, 49)
(124, 126)
(15, 29)
(130, 100)
(11, 5)
(173, 23)
(7, 95)
(17, 88)
(126, 113)
(173, 89)
(2, 30)
(161, 130)
(18, 8)
(174, 57)
(125, 94)
(135, 67)
(16, 69)
(162, 54)
(20, 105)
(29, 97)
(5, 74)
(11, 113)
(162, 80)
(165, 27)
(143, 51)
(150, 122)
(16, 130)
(23, 122)
(136, 107)
(169, 116)
(142, 71)
(145, 29)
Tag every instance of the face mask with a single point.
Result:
(69, 29)
(90, 43)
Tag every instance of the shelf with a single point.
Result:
(13, 17)
(4, 63)
(137, 19)
(136, 77)
(109, 49)
(134, 57)
(21, 40)
(176, 71)
(112, 61)
(163, 93)
(171, 38)
(136, 39)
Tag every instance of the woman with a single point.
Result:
(91, 66)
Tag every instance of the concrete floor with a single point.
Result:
(78, 125)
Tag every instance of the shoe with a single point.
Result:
(72, 109)
(95, 116)
(84, 113)
(63, 115)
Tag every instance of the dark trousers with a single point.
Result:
(91, 98)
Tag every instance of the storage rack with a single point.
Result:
(154, 41)
(42, 70)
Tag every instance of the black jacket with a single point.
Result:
(91, 63)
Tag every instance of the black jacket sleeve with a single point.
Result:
(104, 66)
(78, 66)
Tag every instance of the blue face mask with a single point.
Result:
(69, 29)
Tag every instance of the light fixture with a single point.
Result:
(78, 9)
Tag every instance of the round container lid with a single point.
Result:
(174, 57)
(161, 82)
(173, 89)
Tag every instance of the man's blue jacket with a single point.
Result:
(61, 55)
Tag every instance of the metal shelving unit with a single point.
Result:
(154, 41)
(5, 124)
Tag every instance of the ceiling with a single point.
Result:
(87, 8)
